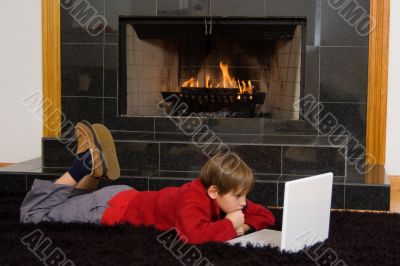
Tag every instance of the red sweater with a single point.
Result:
(188, 209)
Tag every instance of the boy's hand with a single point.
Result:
(241, 230)
(236, 217)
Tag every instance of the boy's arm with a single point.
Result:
(194, 223)
(257, 216)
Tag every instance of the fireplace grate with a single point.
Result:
(212, 100)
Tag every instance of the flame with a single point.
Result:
(226, 78)
(226, 82)
(244, 86)
(189, 82)
(250, 87)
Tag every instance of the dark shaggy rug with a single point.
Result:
(355, 239)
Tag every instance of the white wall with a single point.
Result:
(393, 115)
(20, 76)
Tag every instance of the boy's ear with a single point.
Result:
(212, 192)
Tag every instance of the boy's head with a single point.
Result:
(228, 180)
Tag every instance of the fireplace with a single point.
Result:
(218, 67)
(112, 79)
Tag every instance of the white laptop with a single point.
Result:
(306, 215)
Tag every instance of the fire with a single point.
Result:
(227, 81)
(189, 83)
(226, 78)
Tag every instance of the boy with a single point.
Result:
(212, 207)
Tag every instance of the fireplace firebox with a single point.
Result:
(219, 67)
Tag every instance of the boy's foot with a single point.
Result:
(87, 140)
(106, 141)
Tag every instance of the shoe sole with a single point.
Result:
(87, 128)
(106, 141)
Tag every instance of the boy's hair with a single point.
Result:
(228, 173)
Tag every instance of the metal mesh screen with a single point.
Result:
(157, 65)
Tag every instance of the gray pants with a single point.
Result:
(49, 202)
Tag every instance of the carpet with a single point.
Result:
(355, 239)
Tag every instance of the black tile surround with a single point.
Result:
(335, 74)
(156, 156)
(268, 190)
(335, 67)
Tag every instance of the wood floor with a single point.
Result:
(395, 193)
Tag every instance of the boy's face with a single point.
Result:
(230, 202)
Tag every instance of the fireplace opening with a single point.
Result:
(218, 67)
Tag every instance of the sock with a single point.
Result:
(82, 166)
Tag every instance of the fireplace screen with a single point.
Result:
(218, 67)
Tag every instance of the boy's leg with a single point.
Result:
(94, 142)
(46, 196)
(103, 141)
(98, 140)
(78, 175)
(85, 207)
(50, 202)
(43, 196)
(66, 179)
(88, 183)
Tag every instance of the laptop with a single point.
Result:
(306, 215)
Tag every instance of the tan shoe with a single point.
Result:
(106, 141)
(87, 140)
